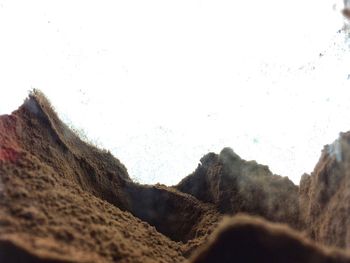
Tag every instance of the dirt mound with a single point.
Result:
(248, 239)
(53, 215)
(235, 185)
(64, 200)
(55, 187)
(325, 195)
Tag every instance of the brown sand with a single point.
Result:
(248, 239)
(235, 185)
(64, 200)
(325, 195)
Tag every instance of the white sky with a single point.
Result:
(161, 83)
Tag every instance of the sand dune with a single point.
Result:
(64, 200)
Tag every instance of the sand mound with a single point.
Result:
(325, 195)
(64, 200)
(248, 239)
(235, 185)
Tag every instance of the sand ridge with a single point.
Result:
(64, 200)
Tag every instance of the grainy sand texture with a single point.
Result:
(64, 200)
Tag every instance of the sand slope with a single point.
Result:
(64, 200)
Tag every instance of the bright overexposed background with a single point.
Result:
(161, 83)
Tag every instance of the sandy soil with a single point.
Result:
(64, 200)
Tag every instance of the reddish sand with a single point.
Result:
(64, 200)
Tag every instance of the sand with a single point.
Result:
(64, 200)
